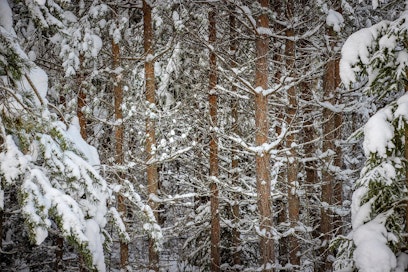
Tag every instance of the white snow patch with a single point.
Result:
(178, 23)
(360, 214)
(264, 31)
(90, 152)
(357, 49)
(402, 61)
(372, 253)
(402, 109)
(335, 19)
(40, 2)
(13, 162)
(40, 81)
(388, 41)
(375, 3)
(96, 241)
(402, 262)
(6, 19)
(378, 133)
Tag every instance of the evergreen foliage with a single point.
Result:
(376, 58)
(54, 171)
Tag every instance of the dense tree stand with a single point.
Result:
(203, 135)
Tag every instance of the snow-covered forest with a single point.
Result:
(204, 135)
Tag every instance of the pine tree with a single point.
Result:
(236, 240)
(119, 138)
(152, 174)
(55, 172)
(263, 178)
(378, 209)
(331, 128)
(214, 172)
(48, 162)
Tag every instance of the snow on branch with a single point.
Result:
(372, 252)
(167, 98)
(357, 49)
(169, 157)
(151, 226)
(380, 193)
(264, 148)
(378, 55)
(335, 20)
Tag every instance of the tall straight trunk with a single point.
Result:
(262, 159)
(293, 164)
(81, 103)
(406, 153)
(406, 170)
(212, 100)
(236, 240)
(81, 99)
(326, 227)
(338, 160)
(281, 209)
(1, 227)
(331, 126)
(406, 157)
(150, 90)
(119, 132)
(59, 240)
(310, 166)
(2, 258)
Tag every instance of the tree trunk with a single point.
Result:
(338, 160)
(311, 178)
(2, 210)
(292, 172)
(81, 103)
(406, 157)
(152, 174)
(212, 100)
(281, 205)
(119, 155)
(59, 240)
(236, 240)
(331, 127)
(81, 99)
(406, 154)
(263, 167)
(59, 252)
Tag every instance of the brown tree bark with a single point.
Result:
(236, 240)
(150, 90)
(331, 189)
(2, 257)
(293, 164)
(212, 100)
(262, 159)
(406, 157)
(338, 160)
(59, 241)
(81, 103)
(308, 136)
(119, 138)
(59, 252)
(81, 99)
(281, 205)
(406, 171)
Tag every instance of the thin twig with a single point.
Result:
(34, 89)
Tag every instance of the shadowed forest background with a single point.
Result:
(209, 135)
